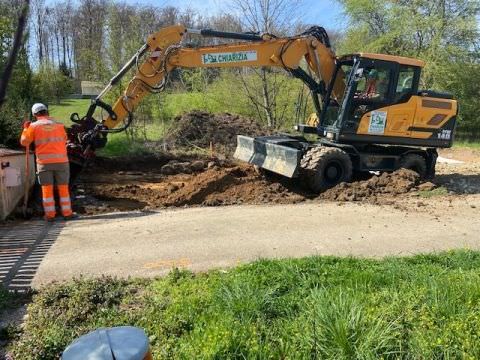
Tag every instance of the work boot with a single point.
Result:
(71, 217)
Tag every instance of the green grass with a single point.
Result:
(61, 112)
(427, 194)
(467, 144)
(424, 307)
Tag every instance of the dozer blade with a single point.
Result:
(267, 154)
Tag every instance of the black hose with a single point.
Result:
(119, 130)
(320, 34)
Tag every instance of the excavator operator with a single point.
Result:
(376, 85)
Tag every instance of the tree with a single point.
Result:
(16, 46)
(89, 39)
(266, 16)
(18, 95)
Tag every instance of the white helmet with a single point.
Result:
(38, 107)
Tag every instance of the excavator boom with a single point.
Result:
(164, 53)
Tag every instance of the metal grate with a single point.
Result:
(22, 248)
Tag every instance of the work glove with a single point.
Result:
(26, 124)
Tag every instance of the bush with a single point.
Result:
(51, 85)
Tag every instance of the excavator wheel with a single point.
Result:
(416, 163)
(324, 167)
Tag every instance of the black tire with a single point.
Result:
(324, 167)
(415, 163)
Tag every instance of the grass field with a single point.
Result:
(118, 144)
(424, 307)
(61, 112)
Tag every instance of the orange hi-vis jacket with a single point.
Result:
(50, 141)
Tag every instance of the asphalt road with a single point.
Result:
(136, 244)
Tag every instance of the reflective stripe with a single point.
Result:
(49, 208)
(65, 199)
(50, 199)
(43, 121)
(49, 140)
(51, 156)
(66, 207)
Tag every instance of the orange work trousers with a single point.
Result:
(48, 175)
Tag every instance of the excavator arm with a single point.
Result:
(164, 52)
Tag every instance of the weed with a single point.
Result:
(427, 194)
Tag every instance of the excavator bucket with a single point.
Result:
(268, 153)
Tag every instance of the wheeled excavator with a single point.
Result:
(369, 112)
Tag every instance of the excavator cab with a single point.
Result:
(382, 105)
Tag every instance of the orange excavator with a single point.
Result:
(369, 112)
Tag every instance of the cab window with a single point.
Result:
(406, 83)
(374, 85)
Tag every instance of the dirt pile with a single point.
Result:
(183, 167)
(163, 182)
(399, 182)
(199, 129)
(214, 186)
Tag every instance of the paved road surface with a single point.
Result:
(203, 238)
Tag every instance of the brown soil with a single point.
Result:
(199, 129)
(399, 182)
(462, 154)
(216, 183)
(220, 184)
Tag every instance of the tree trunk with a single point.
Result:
(267, 105)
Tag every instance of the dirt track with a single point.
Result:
(151, 244)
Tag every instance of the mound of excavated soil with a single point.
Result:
(113, 186)
(199, 129)
(211, 187)
(399, 182)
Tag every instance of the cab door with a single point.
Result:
(401, 113)
(396, 115)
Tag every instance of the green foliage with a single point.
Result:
(442, 33)
(19, 91)
(467, 144)
(424, 307)
(5, 298)
(51, 85)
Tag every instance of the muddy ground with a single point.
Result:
(167, 181)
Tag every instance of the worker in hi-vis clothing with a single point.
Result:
(50, 140)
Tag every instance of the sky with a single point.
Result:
(326, 13)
